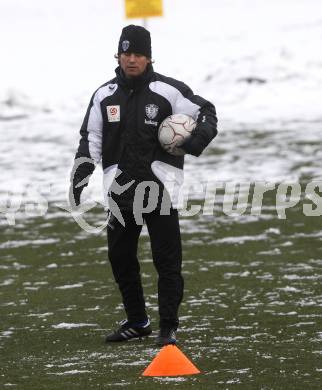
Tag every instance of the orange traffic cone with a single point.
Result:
(170, 361)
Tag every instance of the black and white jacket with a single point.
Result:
(121, 127)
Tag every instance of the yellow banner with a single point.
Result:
(143, 8)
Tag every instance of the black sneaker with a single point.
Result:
(127, 331)
(166, 336)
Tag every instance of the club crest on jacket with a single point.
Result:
(151, 110)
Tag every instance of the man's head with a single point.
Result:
(134, 50)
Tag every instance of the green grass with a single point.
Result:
(250, 319)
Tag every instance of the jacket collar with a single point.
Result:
(134, 83)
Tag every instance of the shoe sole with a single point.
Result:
(163, 344)
(128, 339)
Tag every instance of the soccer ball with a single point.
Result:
(173, 131)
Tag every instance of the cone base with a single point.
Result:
(171, 375)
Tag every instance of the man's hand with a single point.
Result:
(75, 192)
(191, 146)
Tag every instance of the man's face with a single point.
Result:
(133, 64)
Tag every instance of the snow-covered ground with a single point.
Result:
(259, 61)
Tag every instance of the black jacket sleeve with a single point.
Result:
(206, 128)
(90, 145)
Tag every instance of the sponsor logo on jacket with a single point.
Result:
(113, 113)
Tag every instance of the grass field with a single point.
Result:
(250, 319)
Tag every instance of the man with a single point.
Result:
(121, 126)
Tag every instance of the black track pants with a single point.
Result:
(165, 239)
